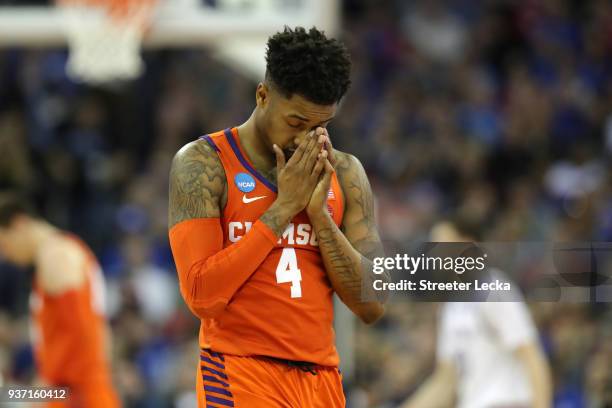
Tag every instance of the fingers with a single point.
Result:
(319, 165)
(328, 171)
(280, 157)
(308, 149)
(302, 148)
(323, 165)
(330, 149)
(329, 168)
(310, 156)
(327, 144)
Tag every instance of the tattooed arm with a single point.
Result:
(209, 275)
(197, 184)
(198, 188)
(348, 253)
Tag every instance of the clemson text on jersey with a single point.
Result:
(294, 234)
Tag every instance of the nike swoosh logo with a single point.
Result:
(250, 200)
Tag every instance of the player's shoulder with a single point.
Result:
(197, 150)
(346, 161)
(197, 183)
(198, 160)
(348, 167)
(61, 265)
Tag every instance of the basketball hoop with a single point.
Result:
(104, 38)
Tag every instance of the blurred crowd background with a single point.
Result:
(497, 109)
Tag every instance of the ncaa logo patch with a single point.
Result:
(245, 182)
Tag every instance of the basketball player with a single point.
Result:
(488, 352)
(69, 332)
(264, 229)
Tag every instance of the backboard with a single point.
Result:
(235, 29)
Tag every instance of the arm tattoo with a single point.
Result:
(275, 221)
(197, 182)
(359, 224)
(355, 278)
(347, 273)
(359, 228)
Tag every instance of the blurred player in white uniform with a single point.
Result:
(488, 354)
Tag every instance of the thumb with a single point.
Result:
(330, 150)
(329, 170)
(280, 157)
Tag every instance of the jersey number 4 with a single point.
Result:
(288, 271)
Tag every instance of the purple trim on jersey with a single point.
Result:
(214, 354)
(213, 362)
(210, 142)
(218, 390)
(245, 163)
(210, 378)
(215, 372)
(220, 401)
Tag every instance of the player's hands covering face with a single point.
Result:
(298, 177)
(318, 200)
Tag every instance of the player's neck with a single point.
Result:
(255, 146)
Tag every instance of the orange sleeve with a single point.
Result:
(209, 275)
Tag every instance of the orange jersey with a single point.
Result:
(285, 309)
(69, 335)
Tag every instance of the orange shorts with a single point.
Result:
(225, 380)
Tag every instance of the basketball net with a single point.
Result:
(104, 38)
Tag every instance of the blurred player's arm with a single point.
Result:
(518, 333)
(348, 253)
(538, 373)
(210, 275)
(438, 391)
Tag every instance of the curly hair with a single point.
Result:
(309, 64)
